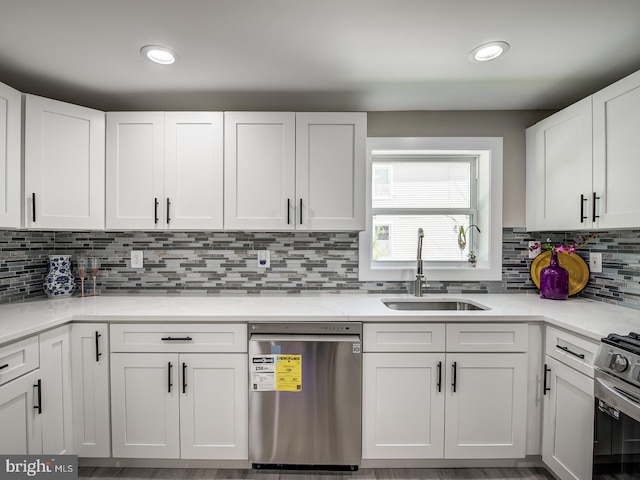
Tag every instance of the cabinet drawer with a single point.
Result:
(403, 337)
(18, 358)
(487, 337)
(179, 337)
(572, 350)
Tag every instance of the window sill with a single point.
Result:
(462, 273)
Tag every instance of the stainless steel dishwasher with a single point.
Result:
(305, 395)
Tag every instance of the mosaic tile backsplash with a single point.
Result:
(224, 263)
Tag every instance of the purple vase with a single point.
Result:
(554, 280)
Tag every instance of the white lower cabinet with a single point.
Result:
(213, 406)
(35, 403)
(145, 410)
(168, 405)
(403, 405)
(567, 442)
(404, 410)
(21, 431)
(56, 392)
(90, 377)
(486, 402)
(444, 405)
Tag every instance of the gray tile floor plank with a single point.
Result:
(103, 473)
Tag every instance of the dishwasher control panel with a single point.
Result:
(307, 328)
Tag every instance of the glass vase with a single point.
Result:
(554, 280)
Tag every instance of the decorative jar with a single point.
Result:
(59, 281)
(554, 280)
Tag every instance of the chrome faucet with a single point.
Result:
(419, 273)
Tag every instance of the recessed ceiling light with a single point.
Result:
(489, 51)
(158, 54)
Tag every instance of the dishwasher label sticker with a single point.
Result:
(289, 373)
(263, 373)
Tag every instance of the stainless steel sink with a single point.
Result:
(417, 305)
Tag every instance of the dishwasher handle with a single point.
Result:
(279, 338)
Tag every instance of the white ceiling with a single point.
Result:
(317, 54)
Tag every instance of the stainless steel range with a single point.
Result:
(616, 448)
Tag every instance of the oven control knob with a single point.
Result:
(619, 363)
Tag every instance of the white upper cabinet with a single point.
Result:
(330, 166)
(259, 170)
(193, 163)
(287, 171)
(582, 163)
(135, 163)
(164, 170)
(64, 165)
(559, 183)
(616, 162)
(10, 161)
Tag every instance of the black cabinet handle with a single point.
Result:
(300, 211)
(184, 377)
(545, 389)
(33, 207)
(155, 210)
(39, 387)
(455, 373)
(2, 367)
(169, 367)
(98, 354)
(582, 215)
(174, 339)
(565, 349)
(439, 377)
(288, 211)
(168, 207)
(593, 207)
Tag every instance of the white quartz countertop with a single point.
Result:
(585, 317)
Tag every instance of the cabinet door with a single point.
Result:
(145, 416)
(64, 165)
(55, 370)
(567, 425)
(21, 431)
(259, 170)
(616, 123)
(213, 406)
(193, 170)
(135, 170)
(90, 378)
(330, 171)
(10, 160)
(563, 157)
(486, 405)
(403, 405)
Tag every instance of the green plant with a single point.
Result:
(462, 232)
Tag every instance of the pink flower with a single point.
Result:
(560, 248)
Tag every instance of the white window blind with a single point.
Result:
(435, 193)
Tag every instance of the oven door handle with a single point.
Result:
(615, 393)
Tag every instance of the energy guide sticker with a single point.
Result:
(289, 373)
(276, 373)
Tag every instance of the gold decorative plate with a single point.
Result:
(573, 263)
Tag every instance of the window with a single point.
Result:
(439, 185)
(382, 182)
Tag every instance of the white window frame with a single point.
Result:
(489, 204)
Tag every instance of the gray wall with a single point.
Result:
(510, 125)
